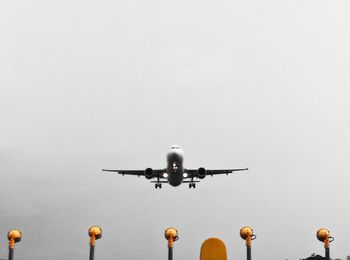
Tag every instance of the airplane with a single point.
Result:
(175, 174)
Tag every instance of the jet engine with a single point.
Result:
(149, 173)
(201, 173)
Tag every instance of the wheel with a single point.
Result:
(156, 186)
(160, 185)
(194, 185)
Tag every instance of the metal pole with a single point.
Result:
(327, 253)
(170, 255)
(10, 253)
(171, 235)
(249, 253)
(323, 235)
(95, 232)
(92, 252)
(247, 234)
(14, 236)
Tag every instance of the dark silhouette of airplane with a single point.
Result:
(175, 174)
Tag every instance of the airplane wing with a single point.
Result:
(158, 173)
(193, 173)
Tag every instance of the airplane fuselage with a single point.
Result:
(175, 169)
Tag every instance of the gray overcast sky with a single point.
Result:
(86, 85)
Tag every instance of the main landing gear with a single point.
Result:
(192, 185)
(158, 185)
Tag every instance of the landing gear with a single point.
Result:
(192, 185)
(158, 185)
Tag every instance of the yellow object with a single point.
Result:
(213, 249)
(14, 236)
(171, 235)
(246, 233)
(323, 235)
(95, 232)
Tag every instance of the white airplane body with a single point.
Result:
(175, 174)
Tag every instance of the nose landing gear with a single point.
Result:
(158, 185)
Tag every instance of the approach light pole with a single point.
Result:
(95, 232)
(14, 236)
(246, 233)
(171, 235)
(324, 236)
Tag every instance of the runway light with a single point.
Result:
(324, 236)
(14, 236)
(185, 175)
(95, 232)
(165, 175)
(246, 233)
(171, 235)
